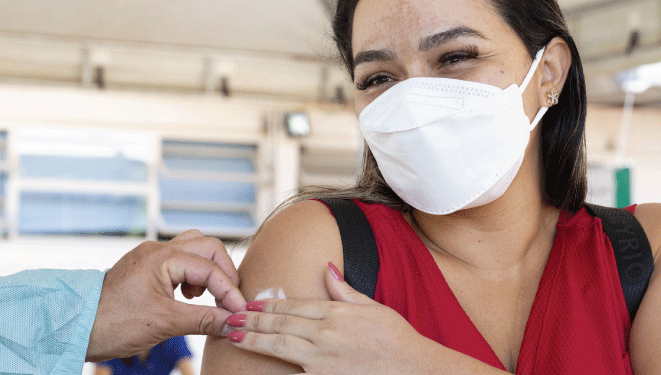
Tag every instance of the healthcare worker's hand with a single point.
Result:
(137, 309)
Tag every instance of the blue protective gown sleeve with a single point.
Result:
(46, 317)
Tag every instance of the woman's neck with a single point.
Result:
(502, 235)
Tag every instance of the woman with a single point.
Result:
(467, 174)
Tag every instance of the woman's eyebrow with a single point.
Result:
(425, 45)
(374, 55)
(446, 36)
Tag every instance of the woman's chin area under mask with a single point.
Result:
(473, 237)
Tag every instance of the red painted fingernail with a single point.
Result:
(236, 320)
(336, 273)
(236, 336)
(255, 306)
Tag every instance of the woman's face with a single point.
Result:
(394, 40)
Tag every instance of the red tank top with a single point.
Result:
(579, 323)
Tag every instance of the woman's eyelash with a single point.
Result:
(371, 81)
(449, 58)
(454, 57)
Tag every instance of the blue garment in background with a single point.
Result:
(162, 359)
(46, 317)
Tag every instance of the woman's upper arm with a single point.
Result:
(289, 256)
(645, 339)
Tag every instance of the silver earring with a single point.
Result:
(552, 98)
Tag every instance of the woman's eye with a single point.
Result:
(457, 57)
(372, 81)
(453, 59)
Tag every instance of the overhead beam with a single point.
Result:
(611, 60)
(581, 10)
(610, 64)
(184, 49)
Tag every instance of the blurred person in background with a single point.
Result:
(55, 320)
(474, 184)
(160, 360)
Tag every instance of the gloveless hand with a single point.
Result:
(137, 309)
(351, 335)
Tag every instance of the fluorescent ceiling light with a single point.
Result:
(640, 79)
(297, 124)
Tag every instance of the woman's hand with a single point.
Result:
(352, 334)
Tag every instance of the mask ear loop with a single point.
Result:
(533, 69)
(538, 118)
(526, 81)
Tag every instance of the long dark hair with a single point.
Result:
(562, 135)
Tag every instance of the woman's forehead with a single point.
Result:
(386, 23)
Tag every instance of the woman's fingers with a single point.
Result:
(309, 309)
(275, 324)
(289, 348)
(340, 290)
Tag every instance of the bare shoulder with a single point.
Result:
(289, 257)
(292, 251)
(649, 216)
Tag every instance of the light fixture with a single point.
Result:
(641, 78)
(100, 77)
(633, 43)
(225, 87)
(297, 124)
(340, 98)
(634, 33)
(99, 60)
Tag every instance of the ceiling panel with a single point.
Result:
(608, 31)
(294, 26)
(262, 46)
(572, 4)
(37, 61)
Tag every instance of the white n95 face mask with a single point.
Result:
(444, 145)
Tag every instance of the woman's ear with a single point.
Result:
(556, 63)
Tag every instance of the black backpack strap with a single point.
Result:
(361, 256)
(633, 252)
